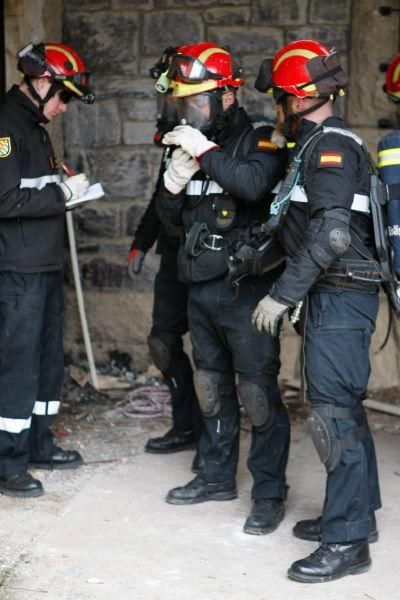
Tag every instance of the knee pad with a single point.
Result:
(160, 353)
(211, 389)
(328, 444)
(255, 402)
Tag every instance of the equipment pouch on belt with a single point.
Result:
(194, 245)
(253, 258)
(202, 257)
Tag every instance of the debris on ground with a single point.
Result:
(146, 402)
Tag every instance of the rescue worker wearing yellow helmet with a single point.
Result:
(389, 161)
(322, 218)
(219, 183)
(32, 214)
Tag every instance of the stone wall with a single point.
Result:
(112, 140)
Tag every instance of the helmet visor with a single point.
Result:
(190, 70)
(195, 111)
(79, 84)
(167, 109)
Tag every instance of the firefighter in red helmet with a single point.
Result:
(169, 314)
(32, 210)
(217, 184)
(322, 218)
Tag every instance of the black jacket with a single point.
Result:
(328, 185)
(32, 205)
(151, 228)
(234, 180)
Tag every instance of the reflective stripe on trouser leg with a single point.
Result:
(22, 300)
(51, 370)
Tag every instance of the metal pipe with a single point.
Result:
(390, 409)
(81, 303)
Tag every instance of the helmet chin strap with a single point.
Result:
(291, 121)
(42, 101)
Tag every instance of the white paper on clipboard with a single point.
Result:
(94, 192)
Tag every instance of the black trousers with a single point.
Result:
(170, 323)
(224, 341)
(338, 335)
(31, 366)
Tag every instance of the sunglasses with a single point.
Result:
(65, 96)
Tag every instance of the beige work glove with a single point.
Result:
(190, 139)
(180, 171)
(268, 314)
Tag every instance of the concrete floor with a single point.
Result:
(105, 532)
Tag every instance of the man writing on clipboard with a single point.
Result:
(33, 201)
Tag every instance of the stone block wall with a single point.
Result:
(112, 140)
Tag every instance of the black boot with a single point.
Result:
(172, 441)
(21, 485)
(199, 490)
(265, 516)
(59, 459)
(332, 561)
(310, 529)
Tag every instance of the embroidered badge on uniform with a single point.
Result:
(330, 159)
(5, 147)
(267, 145)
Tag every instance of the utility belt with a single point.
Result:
(352, 274)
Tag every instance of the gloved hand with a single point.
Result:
(190, 139)
(181, 170)
(75, 187)
(268, 314)
(135, 261)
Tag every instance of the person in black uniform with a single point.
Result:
(169, 309)
(32, 207)
(227, 193)
(327, 235)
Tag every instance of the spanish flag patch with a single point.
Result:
(330, 159)
(267, 145)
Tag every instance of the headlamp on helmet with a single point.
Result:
(202, 67)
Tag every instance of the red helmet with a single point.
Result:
(392, 80)
(307, 68)
(202, 67)
(60, 64)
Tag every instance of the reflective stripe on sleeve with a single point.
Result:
(197, 188)
(39, 182)
(389, 157)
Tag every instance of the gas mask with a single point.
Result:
(167, 117)
(205, 112)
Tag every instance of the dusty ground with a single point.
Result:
(104, 531)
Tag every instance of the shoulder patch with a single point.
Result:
(330, 159)
(265, 144)
(5, 147)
